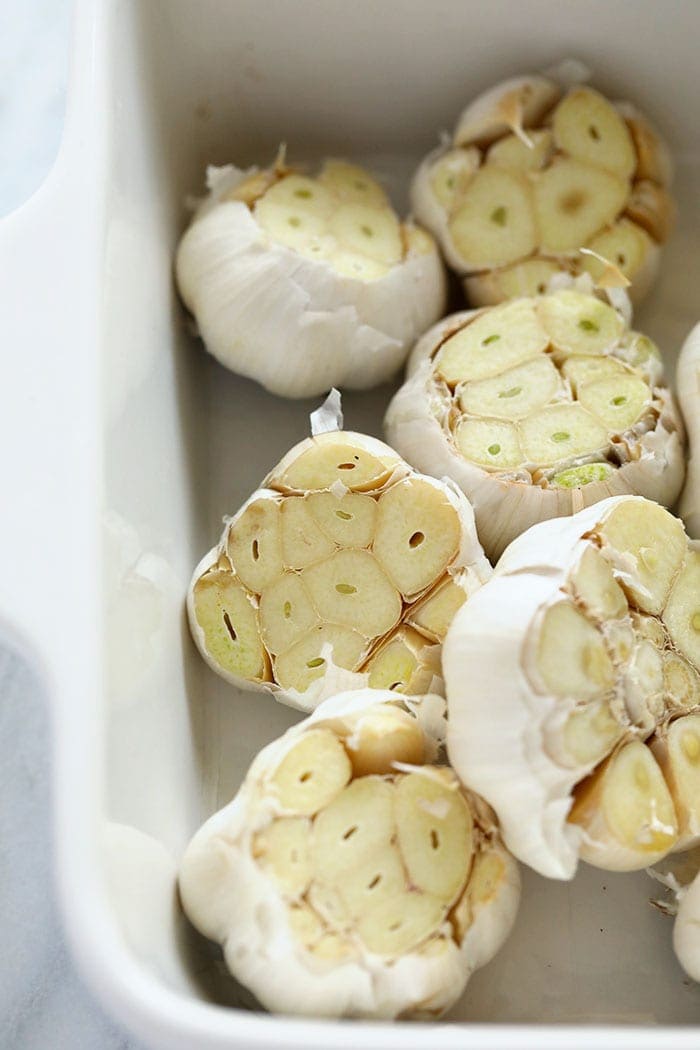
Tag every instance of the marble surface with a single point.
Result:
(43, 1003)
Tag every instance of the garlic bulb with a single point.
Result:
(688, 387)
(351, 876)
(573, 690)
(536, 408)
(345, 560)
(307, 283)
(532, 175)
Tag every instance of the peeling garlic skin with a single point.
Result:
(573, 690)
(532, 175)
(355, 867)
(686, 930)
(536, 408)
(688, 387)
(343, 570)
(307, 283)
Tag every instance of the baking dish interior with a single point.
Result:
(186, 442)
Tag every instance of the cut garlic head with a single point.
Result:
(353, 866)
(534, 174)
(573, 690)
(688, 387)
(536, 408)
(343, 570)
(304, 283)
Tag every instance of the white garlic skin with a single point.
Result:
(686, 929)
(504, 509)
(688, 392)
(470, 558)
(231, 900)
(293, 323)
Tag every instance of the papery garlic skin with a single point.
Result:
(688, 389)
(561, 714)
(686, 929)
(342, 571)
(305, 312)
(266, 878)
(514, 491)
(533, 173)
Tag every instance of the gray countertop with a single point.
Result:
(43, 1004)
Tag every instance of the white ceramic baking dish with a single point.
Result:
(124, 444)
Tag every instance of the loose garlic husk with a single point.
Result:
(573, 690)
(532, 175)
(351, 876)
(688, 388)
(536, 408)
(342, 571)
(304, 283)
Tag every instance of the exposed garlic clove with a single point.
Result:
(227, 623)
(311, 774)
(530, 277)
(513, 153)
(348, 520)
(587, 127)
(653, 157)
(493, 222)
(676, 748)
(254, 544)
(301, 282)
(376, 893)
(350, 182)
(309, 658)
(646, 545)
(595, 587)
(513, 394)
(626, 811)
(318, 576)
(573, 202)
(589, 735)
(282, 849)
(578, 323)
(434, 833)
(433, 615)
(537, 407)
(513, 105)
(382, 737)
(587, 165)
(572, 660)
(681, 683)
(405, 663)
(285, 612)
(493, 341)
(628, 247)
(417, 534)
(681, 614)
(303, 542)
(652, 208)
(567, 703)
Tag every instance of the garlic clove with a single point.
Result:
(493, 222)
(588, 128)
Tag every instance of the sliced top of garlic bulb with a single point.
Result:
(536, 408)
(535, 172)
(354, 866)
(307, 282)
(688, 387)
(573, 689)
(343, 570)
